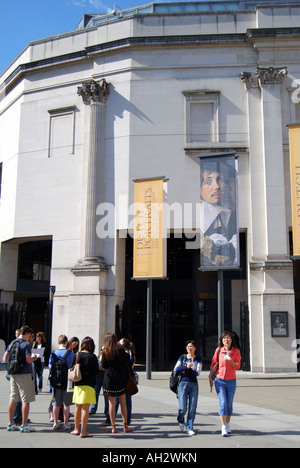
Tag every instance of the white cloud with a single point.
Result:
(94, 3)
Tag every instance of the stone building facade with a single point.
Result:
(144, 93)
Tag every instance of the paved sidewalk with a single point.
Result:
(266, 414)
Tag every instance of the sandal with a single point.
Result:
(127, 429)
(113, 429)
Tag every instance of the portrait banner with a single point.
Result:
(149, 245)
(219, 213)
(294, 143)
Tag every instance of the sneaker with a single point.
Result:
(228, 430)
(55, 427)
(26, 428)
(12, 427)
(181, 427)
(224, 432)
(67, 427)
(191, 432)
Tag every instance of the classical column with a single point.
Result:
(257, 231)
(270, 279)
(266, 163)
(270, 80)
(94, 95)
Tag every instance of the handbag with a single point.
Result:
(75, 372)
(131, 386)
(175, 377)
(213, 372)
(174, 381)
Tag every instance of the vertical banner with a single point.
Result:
(219, 213)
(294, 141)
(149, 249)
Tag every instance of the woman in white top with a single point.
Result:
(39, 364)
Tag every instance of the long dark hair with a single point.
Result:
(233, 339)
(74, 339)
(88, 345)
(43, 343)
(110, 346)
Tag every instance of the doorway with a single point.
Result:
(184, 307)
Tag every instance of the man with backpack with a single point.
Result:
(60, 362)
(19, 359)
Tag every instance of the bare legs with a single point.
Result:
(112, 412)
(56, 414)
(25, 412)
(81, 416)
(225, 419)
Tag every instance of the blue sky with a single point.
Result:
(23, 21)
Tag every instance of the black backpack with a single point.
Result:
(58, 376)
(175, 377)
(15, 361)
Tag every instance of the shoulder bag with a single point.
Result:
(131, 385)
(175, 377)
(213, 372)
(75, 372)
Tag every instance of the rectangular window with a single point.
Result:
(202, 116)
(201, 121)
(61, 131)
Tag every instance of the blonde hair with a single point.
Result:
(62, 339)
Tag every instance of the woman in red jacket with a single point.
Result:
(228, 357)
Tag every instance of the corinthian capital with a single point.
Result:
(269, 76)
(92, 91)
(250, 80)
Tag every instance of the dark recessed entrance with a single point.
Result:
(184, 306)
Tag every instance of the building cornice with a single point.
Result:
(251, 36)
(262, 33)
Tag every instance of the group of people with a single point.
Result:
(116, 361)
(226, 360)
(111, 370)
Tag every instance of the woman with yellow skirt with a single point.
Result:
(84, 393)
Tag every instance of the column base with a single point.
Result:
(90, 264)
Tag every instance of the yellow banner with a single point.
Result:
(294, 140)
(149, 249)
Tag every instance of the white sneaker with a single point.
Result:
(26, 428)
(191, 433)
(67, 427)
(223, 431)
(181, 427)
(12, 427)
(55, 427)
(228, 430)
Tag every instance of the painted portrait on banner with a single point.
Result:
(219, 214)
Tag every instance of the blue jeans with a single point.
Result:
(99, 384)
(38, 377)
(187, 399)
(225, 390)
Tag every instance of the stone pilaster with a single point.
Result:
(270, 280)
(94, 95)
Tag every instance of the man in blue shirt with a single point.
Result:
(62, 396)
(22, 384)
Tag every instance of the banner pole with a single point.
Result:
(220, 303)
(149, 330)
